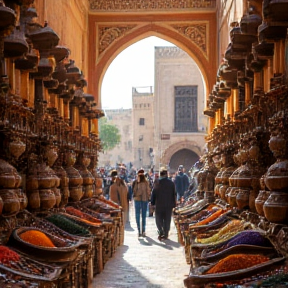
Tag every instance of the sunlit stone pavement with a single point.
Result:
(145, 262)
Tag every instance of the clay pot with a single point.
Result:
(88, 191)
(276, 178)
(34, 199)
(222, 191)
(57, 196)
(46, 181)
(231, 196)
(47, 198)
(9, 177)
(17, 148)
(11, 202)
(260, 200)
(276, 207)
(22, 199)
(242, 198)
(32, 183)
(76, 193)
(65, 194)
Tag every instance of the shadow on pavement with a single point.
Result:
(150, 241)
(128, 227)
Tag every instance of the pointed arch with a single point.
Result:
(126, 33)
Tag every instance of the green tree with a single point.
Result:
(109, 134)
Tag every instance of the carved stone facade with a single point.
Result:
(146, 5)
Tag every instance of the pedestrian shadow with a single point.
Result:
(128, 227)
(173, 243)
(150, 241)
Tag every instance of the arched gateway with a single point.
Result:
(116, 24)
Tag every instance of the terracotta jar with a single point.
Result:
(231, 196)
(9, 177)
(76, 193)
(276, 207)
(57, 194)
(88, 191)
(33, 199)
(65, 194)
(11, 202)
(47, 198)
(22, 199)
(260, 200)
(222, 191)
(242, 198)
(276, 178)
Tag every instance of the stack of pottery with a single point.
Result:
(10, 182)
(42, 185)
(64, 180)
(74, 176)
(97, 185)
(276, 179)
(81, 165)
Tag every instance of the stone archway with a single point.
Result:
(187, 147)
(193, 30)
(184, 157)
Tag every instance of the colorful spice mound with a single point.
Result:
(210, 218)
(84, 217)
(237, 262)
(7, 255)
(248, 237)
(37, 238)
(229, 230)
(68, 225)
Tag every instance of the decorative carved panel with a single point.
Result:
(108, 34)
(197, 33)
(186, 109)
(146, 5)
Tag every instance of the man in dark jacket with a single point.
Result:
(164, 198)
(181, 182)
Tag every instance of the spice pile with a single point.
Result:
(236, 262)
(37, 238)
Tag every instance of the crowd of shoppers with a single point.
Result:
(151, 194)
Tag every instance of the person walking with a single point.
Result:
(141, 195)
(181, 182)
(118, 193)
(164, 198)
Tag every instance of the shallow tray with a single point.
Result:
(49, 273)
(196, 276)
(50, 254)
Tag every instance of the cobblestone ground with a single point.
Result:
(145, 262)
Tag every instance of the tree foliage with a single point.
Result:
(109, 134)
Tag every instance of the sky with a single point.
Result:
(133, 67)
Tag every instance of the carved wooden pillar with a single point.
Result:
(11, 74)
(235, 95)
(25, 85)
(211, 124)
(61, 107)
(247, 93)
(230, 109)
(94, 126)
(66, 110)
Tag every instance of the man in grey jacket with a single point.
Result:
(164, 198)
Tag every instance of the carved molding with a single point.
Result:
(108, 34)
(148, 5)
(197, 33)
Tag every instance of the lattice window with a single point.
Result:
(186, 109)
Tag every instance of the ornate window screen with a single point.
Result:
(186, 109)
